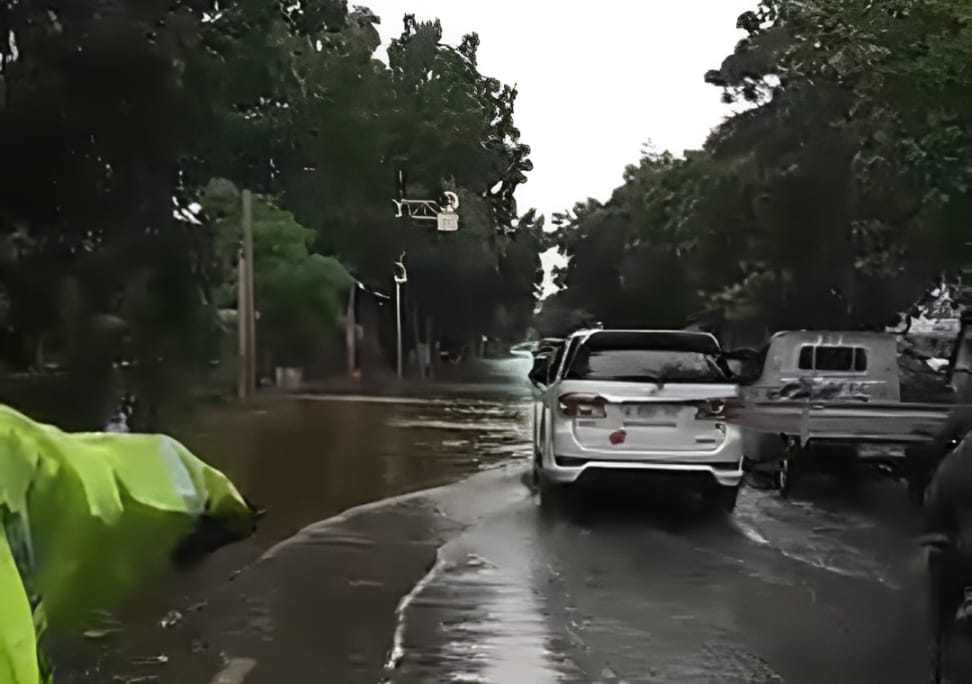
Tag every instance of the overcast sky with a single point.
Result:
(597, 80)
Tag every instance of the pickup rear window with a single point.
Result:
(836, 359)
(644, 365)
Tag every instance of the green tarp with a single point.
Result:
(84, 517)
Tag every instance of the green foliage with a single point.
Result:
(299, 294)
(112, 111)
(323, 126)
(831, 202)
(93, 114)
(558, 318)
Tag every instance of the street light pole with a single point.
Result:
(447, 221)
(401, 277)
(398, 323)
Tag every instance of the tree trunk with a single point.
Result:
(474, 350)
(419, 356)
(351, 331)
(39, 361)
(430, 340)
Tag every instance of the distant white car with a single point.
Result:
(629, 403)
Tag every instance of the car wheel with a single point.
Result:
(552, 494)
(725, 498)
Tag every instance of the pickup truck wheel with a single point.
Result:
(918, 473)
(916, 491)
(918, 481)
(786, 475)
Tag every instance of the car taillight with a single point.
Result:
(715, 409)
(583, 406)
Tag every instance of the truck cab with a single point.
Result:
(807, 366)
(831, 366)
(960, 365)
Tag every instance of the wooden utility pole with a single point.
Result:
(351, 331)
(246, 314)
(241, 361)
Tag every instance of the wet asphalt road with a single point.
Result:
(473, 582)
(651, 591)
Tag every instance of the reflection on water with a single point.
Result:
(306, 460)
(480, 616)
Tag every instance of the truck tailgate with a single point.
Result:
(890, 422)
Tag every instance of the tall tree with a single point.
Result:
(93, 114)
(326, 127)
(832, 201)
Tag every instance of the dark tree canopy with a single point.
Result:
(115, 116)
(834, 200)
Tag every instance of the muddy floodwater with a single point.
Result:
(453, 572)
(307, 459)
(304, 459)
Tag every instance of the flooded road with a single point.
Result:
(614, 590)
(470, 581)
(305, 459)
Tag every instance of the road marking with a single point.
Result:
(236, 671)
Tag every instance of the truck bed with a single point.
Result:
(871, 422)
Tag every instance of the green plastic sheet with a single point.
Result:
(84, 518)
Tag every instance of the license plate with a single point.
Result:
(650, 411)
(880, 451)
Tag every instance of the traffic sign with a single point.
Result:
(448, 222)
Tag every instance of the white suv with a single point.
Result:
(623, 402)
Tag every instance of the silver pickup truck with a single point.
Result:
(834, 397)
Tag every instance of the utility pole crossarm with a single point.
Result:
(426, 210)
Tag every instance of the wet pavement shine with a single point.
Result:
(614, 591)
(468, 579)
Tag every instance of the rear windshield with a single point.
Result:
(833, 358)
(644, 365)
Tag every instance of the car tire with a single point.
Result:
(784, 477)
(725, 499)
(552, 494)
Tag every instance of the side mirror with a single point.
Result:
(541, 365)
(746, 365)
(742, 354)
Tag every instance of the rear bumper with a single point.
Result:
(724, 465)
(730, 476)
